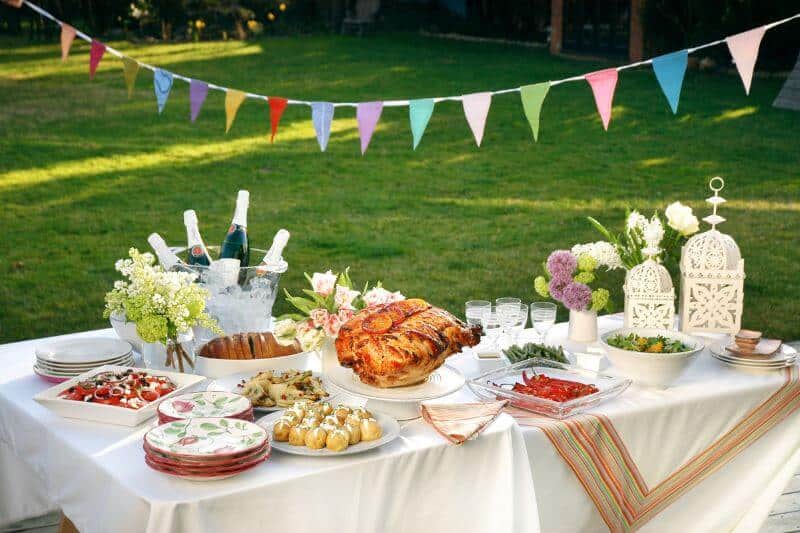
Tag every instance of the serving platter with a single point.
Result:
(111, 414)
(231, 382)
(389, 426)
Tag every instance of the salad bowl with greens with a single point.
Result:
(651, 357)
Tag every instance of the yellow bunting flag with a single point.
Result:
(131, 69)
(233, 99)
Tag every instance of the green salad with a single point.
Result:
(658, 344)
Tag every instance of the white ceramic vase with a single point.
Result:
(583, 326)
(126, 330)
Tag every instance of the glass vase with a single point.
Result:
(175, 356)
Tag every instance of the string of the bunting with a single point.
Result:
(669, 70)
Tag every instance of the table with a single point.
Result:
(512, 478)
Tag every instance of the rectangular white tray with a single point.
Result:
(111, 414)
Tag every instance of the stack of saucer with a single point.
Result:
(207, 404)
(205, 449)
(727, 352)
(61, 360)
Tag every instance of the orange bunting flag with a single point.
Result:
(130, 70)
(233, 99)
(67, 36)
(603, 84)
(95, 55)
(276, 107)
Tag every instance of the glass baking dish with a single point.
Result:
(497, 384)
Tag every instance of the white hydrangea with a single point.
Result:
(603, 252)
(636, 220)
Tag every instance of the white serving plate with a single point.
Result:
(389, 426)
(92, 350)
(110, 414)
(231, 382)
(215, 368)
(80, 369)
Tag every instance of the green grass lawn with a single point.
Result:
(85, 173)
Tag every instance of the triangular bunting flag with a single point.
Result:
(162, 83)
(95, 55)
(130, 70)
(532, 99)
(367, 115)
(198, 90)
(744, 49)
(670, 70)
(322, 117)
(67, 36)
(233, 99)
(476, 109)
(276, 107)
(603, 84)
(419, 112)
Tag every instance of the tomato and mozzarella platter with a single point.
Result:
(130, 389)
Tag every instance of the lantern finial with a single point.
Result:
(716, 184)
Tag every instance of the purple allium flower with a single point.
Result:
(561, 264)
(557, 285)
(577, 296)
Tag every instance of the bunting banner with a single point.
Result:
(476, 109)
(322, 117)
(68, 34)
(532, 97)
(276, 107)
(95, 55)
(419, 113)
(669, 70)
(162, 83)
(130, 68)
(233, 99)
(603, 84)
(198, 90)
(367, 115)
(744, 50)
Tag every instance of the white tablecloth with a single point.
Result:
(97, 475)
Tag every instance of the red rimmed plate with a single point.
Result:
(206, 437)
(210, 476)
(202, 462)
(193, 469)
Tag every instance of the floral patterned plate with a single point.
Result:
(204, 405)
(206, 437)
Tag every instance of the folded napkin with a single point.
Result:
(462, 421)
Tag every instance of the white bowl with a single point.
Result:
(126, 330)
(214, 368)
(652, 369)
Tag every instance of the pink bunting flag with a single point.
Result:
(367, 115)
(744, 49)
(95, 55)
(476, 109)
(603, 84)
(67, 36)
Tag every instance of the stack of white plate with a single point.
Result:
(784, 357)
(62, 360)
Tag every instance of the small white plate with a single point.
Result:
(204, 404)
(231, 383)
(389, 426)
(44, 365)
(785, 357)
(94, 350)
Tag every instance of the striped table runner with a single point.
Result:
(593, 449)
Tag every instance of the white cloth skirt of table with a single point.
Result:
(97, 475)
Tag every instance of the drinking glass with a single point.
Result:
(492, 329)
(543, 316)
(508, 310)
(477, 312)
(521, 322)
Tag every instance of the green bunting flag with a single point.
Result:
(130, 70)
(419, 112)
(532, 99)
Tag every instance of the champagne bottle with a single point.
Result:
(275, 253)
(198, 253)
(166, 257)
(235, 244)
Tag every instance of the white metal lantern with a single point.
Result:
(712, 276)
(649, 296)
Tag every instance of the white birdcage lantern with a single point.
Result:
(712, 276)
(649, 294)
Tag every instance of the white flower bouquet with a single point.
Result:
(329, 303)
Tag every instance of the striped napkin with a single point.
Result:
(461, 421)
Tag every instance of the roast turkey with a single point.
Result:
(401, 343)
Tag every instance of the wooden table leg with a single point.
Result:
(66, 525)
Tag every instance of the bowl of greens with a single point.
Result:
(652, 357)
